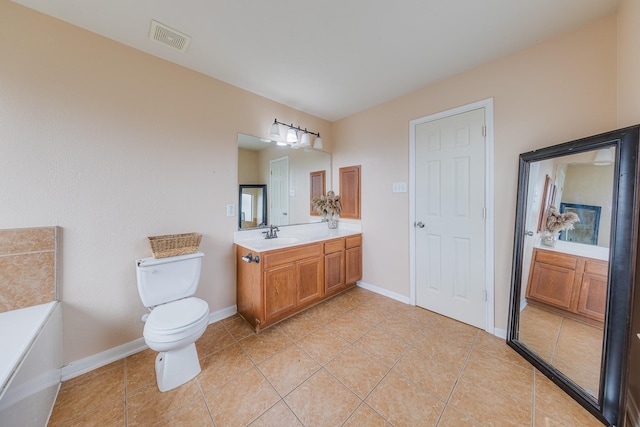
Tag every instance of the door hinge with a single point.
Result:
(486, 296)
(484, 213)
(484, 130)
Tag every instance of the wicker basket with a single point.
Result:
(174, 244)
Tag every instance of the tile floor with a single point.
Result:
(358, 359)
(573, 347)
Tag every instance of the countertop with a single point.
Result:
(578, 249)
(293, 235)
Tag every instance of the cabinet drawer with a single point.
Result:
(332, 246)
(353, 241)
(556, 258)
(285, 256)
(596, 267)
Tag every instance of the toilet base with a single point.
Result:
(176, 367)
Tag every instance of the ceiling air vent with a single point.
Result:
(168, 36)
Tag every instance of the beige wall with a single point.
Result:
(628, 63)
(249, 173)
(114, 145)
(553, 92)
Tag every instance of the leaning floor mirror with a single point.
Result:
(574, 265)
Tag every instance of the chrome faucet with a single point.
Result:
(271, 233)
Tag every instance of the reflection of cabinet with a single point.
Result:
(289, 280)
(569, 282)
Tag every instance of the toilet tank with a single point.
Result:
(168, 279)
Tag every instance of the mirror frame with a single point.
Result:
(608, 408)
(264, 202)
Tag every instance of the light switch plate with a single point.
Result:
(399, 187)
(231, 210)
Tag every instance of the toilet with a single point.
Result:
(177, 318)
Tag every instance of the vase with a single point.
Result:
(548, 238)
(332, 221)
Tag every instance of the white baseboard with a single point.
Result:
(82, 366)
(384, 292)
(500, 333)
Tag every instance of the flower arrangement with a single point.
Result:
(327, 206)
(557, 222)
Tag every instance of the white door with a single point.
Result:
(279, 191)
(450, 216)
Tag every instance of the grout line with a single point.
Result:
(204, 399)
(555, 346)
(43, 251)
(455, 384)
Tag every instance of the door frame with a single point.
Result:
(286, 196)
(487, 104)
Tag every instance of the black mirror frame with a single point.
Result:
(622, 262)
(264, 204)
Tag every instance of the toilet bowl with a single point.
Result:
(172, 330)
(177, 319)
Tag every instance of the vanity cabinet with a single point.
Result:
(342, 263)
(353, 259)
(575, 284)
(286, 281)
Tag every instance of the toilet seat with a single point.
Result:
(176, 320)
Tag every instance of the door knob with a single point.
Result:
(419, 224)
(529, 233)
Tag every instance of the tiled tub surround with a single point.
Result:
(27, 267)
(357, 359)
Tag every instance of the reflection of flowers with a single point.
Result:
(328, 205)
(557, 222)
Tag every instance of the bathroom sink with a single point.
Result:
(267, 244)
(285, 240)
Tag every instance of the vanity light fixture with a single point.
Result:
(292, 136)
(304, 140)
(275, 130)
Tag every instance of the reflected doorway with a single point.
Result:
(279, 191)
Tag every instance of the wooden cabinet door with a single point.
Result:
(551, 284)
(279, 291)
(353, 265)
(334, 272)
(593, 296)
(309, 276)
(350, 192)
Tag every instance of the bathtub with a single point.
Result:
(30, 364)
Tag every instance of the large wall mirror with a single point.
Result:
(574, 263)
(289, 176)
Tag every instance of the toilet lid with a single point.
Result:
(177, 314)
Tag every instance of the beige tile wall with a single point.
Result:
(27, 267)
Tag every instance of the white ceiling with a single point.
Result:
(331, 58)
